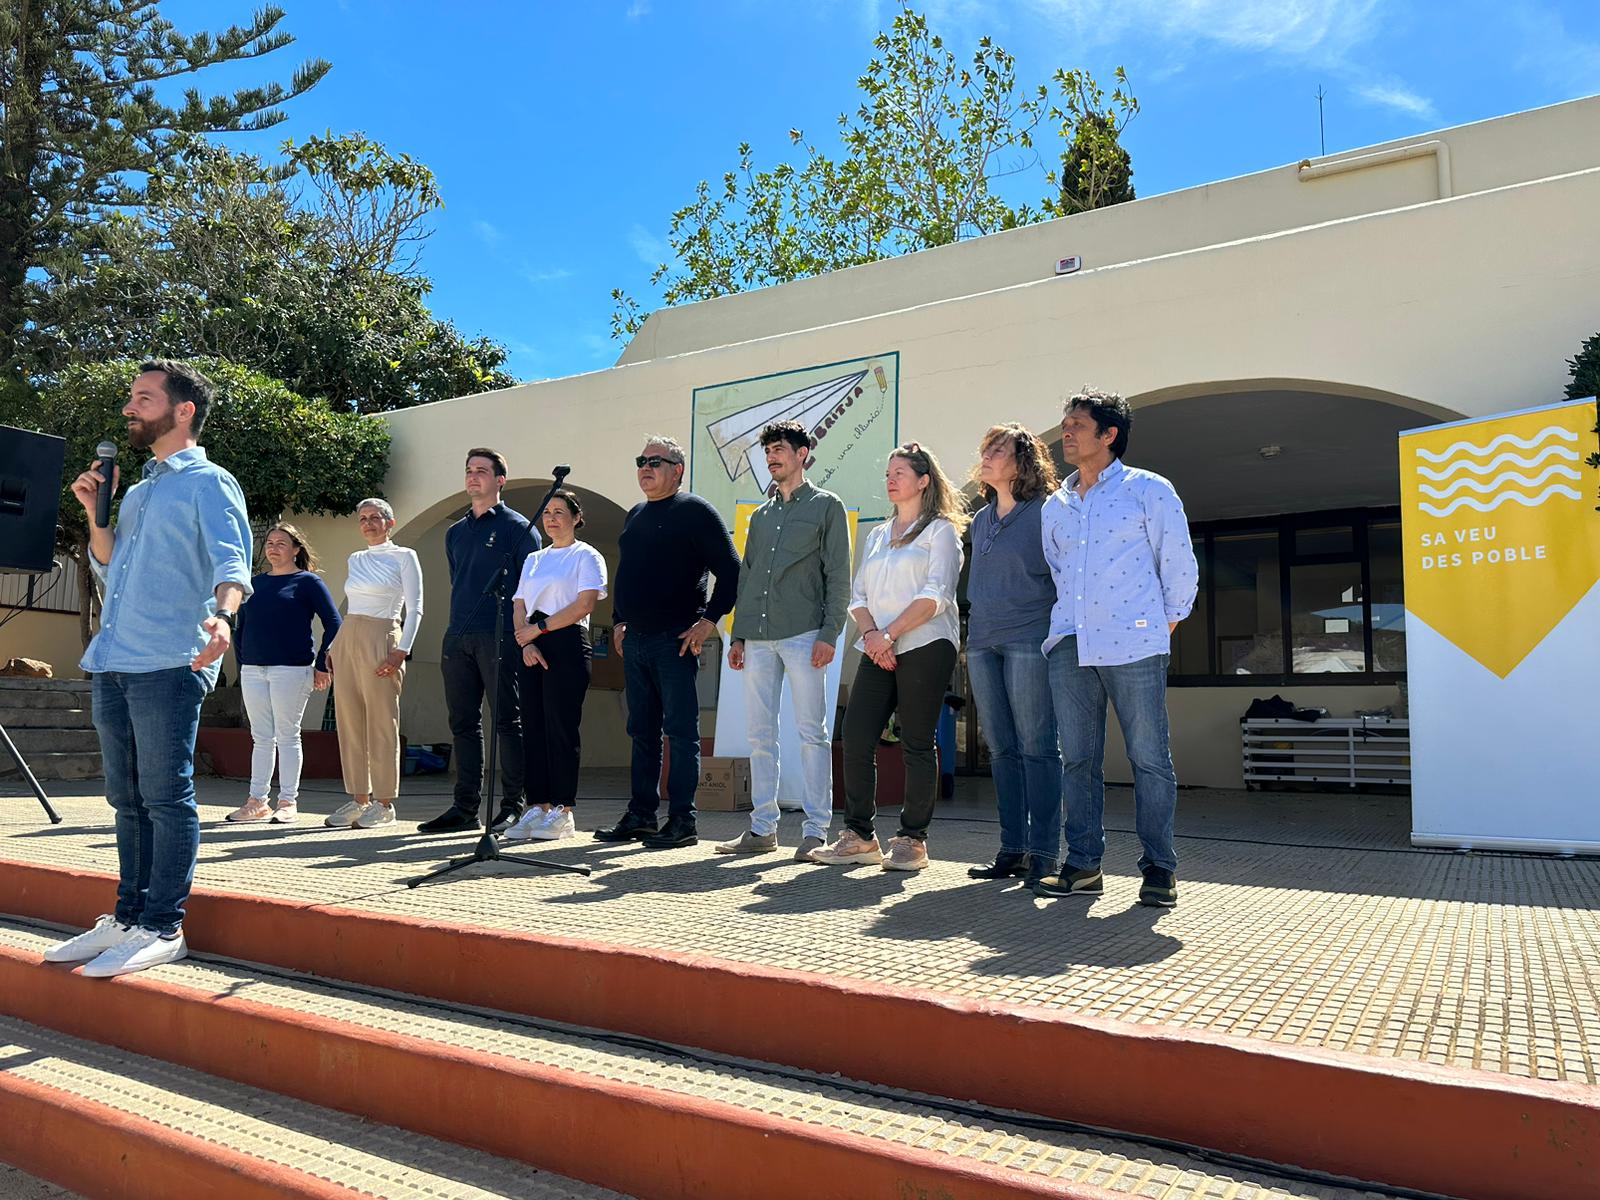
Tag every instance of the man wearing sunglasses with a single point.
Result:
(664, 613)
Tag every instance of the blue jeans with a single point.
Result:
(766, 665)
(1138, 691)
(1011, 684)
(662, 699)
(147, 722)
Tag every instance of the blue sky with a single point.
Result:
(563, 135)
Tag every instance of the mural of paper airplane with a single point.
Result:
(737, 436)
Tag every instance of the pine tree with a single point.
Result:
(82, 119)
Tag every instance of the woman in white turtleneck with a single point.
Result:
(368, 660)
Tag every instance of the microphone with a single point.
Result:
(561, 472)
(106, 452)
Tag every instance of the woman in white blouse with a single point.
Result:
(368, 661)
(559, 587)
(904, 603)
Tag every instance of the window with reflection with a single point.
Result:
(1296, 598)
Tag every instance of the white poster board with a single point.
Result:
(1502, 558)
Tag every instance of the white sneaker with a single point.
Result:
(105, 934)
(141, 949)
(558, 824)
(374, 815)
(522, 829)
(286, 813)
(344, 817)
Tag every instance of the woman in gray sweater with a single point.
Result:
(1011, 594)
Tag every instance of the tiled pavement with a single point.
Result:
(1305, 918)
(383, 1161)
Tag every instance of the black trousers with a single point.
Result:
(552, 710)
(467, 663)
(915, 691)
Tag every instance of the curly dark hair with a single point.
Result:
(1110, 411)
(1036, 471)
(796, 434)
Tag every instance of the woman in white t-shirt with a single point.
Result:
(559, 587)
(368, 661)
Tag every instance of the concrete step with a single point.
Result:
(34, 741)
(648, 1119)
(55, 766)
(27, 717)
(109, 1123)
(1489, 1136)
(12, 683)
(43, 698)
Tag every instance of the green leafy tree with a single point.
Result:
(82, 122)
(303, 269)
(287, 452)
(920, 164)
(1096, 170)
(1585, 381)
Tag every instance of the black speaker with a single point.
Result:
(30, 498)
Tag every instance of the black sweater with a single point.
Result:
(668, 547)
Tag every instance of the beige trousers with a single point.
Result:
(367, 706)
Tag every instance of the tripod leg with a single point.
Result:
(455, 864)
(538, 862)
(27, 774)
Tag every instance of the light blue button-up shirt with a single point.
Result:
(182, 532)
(1123, 565)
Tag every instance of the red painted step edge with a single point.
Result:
(100, 1151)
(1429, 1127)
(651, 1144)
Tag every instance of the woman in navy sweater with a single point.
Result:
(279, 666)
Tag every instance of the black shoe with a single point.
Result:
(1160, 889)
(1039, 869)
(1071, 883)
(452, 820)
(630, 828)
(508, 816)
(1004, 866)
(678, 831)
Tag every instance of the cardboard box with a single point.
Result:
(724, 785)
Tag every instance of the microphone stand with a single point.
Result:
(488, 848)
(10, 747)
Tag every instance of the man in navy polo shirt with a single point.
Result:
(488, 539)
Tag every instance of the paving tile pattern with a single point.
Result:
(379, 1160)
(899, 1117)
(1305, 919)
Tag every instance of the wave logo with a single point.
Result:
(1538, 469)
(1500, 542)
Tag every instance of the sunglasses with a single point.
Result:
(654, 460)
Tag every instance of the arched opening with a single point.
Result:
(424, 717)
(1292, 491)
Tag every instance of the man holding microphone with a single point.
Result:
(173, 574)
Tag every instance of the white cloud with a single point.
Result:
(545, 274)
(1401, 99)
(1327, 35)
(638, 9)
(490, 233)
(652, 251)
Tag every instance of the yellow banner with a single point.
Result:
(1501, 534)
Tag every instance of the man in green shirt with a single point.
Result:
(794, 590)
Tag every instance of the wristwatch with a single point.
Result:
(542, 627)
(232, 618)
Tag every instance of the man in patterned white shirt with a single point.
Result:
(1117, 543)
